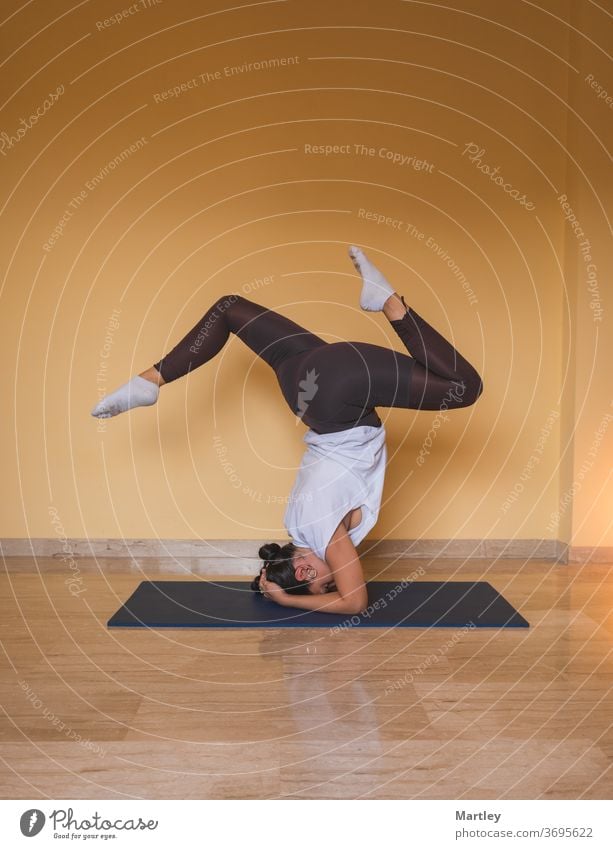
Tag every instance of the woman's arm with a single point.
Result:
(351, 595)
(332, 602)
(342, 558)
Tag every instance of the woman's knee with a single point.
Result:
(468, 390)
(228, 307)
(225, 302)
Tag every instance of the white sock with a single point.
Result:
(376, 290)
(138, 392)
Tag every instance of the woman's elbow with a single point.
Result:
(356, 605)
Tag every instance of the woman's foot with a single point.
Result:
(375, 290)
(138, 392)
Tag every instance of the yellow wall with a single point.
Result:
(585, 503)
(220, 193)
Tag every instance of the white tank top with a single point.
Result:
(339, 472)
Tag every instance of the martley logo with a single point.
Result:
(32, 822)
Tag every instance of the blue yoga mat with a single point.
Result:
(232, 604)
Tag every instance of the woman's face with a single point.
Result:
(309, 567)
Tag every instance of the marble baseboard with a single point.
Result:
(474, 549)
(242, 554)
(590, 554)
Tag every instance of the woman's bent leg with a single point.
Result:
(270, 335)
(435, 374)
(439, 374)
(357, 377)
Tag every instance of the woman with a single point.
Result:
(334, 388)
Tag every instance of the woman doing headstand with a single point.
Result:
(334, 388)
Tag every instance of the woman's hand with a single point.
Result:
(271, 590)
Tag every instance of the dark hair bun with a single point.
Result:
(269, 550)
(278, 562)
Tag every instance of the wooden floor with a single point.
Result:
(94, 713)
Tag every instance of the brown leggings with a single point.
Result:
(334, 386)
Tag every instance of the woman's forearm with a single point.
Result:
(332, 602)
